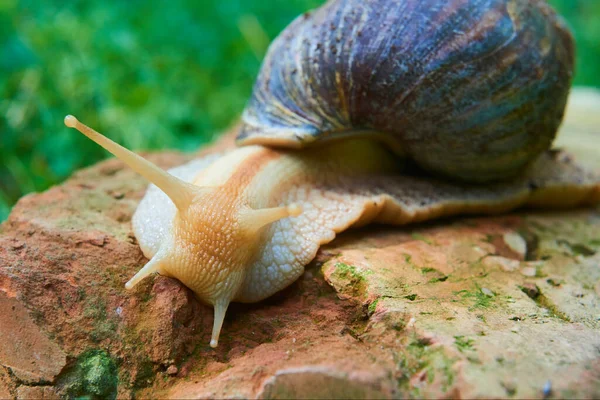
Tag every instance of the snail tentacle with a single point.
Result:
(154, 265)
(180, 192)
(220, 311)
(254, 220)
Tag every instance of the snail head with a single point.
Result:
(213, 237)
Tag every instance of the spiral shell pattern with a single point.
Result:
(471, 89)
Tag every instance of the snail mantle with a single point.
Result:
(498, 306)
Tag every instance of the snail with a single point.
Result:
(349, 98)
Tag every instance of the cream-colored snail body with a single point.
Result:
(242, 226)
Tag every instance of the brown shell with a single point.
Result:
(472, 89)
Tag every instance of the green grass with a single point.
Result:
(151, 75)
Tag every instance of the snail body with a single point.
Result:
(241, 226)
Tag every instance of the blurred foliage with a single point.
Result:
(150, 74)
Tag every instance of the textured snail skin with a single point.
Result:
(472, 89)
(241, 226)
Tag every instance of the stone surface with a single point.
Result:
(6, 385)
(323, 383)
(506, 338)
(505, 306)
(26, 351)
(37, 392)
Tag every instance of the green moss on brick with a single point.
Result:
(93, 376)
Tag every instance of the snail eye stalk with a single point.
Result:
(180, 192)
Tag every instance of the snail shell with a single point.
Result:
(471, 89)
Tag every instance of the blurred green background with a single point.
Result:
(149, 74)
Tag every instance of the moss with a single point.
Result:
(464, 344)
(94, 376)
(418, 236)
(535, 293)
(539, 273)
(577, 249)
(100, 376)
(351, 278)
(594, 243)
(481, 299)
(145, 296)
(144, 374)
(411, 297)
(419, 356)
(346, 270)
(373, 306)
(439, 279)
(103, 325)
(408, 260)
(81, 294)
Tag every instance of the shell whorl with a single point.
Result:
(471, 89)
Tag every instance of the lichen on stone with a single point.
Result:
(94, 376)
